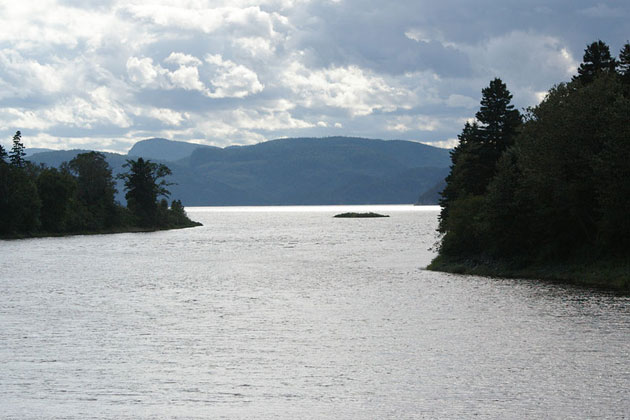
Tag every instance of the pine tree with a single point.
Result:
(3, 154)
(624, 63)
(499, 120)
(597, 60)
(16, 156)
(474, 165)
(144, 183)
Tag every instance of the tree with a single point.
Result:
(499, 120)
(16, 156)
(596, 60)
(624, 63)
(481, 144)
(3, 155)
(95, 189)
(55, 189)
(144, 183)
(19, 201)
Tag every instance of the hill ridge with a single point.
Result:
(290, 171)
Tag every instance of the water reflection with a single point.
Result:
(294, 314)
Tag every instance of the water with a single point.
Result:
(290, 313)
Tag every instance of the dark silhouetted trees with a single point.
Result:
(16, 156)
(623, 66)
(560, 187)
(144, 183)
(481, 144)
(95, 190)
(597, 60)
(56, 189)
(79, 197)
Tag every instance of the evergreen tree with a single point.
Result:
(624, 63)
(596, 60)
(19, 201)
(3, 154)
(481, 144)
(144, 183)
(16, 157)
(499, 120)
(55, 189)
(95, 189)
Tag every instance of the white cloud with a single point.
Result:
(97, 108)
(350, 88)
(164, 115)
(221, 71)
(256, 46)
(242, 20)
(231, 80)
(183, 59)
(443, 144)
(267, 121)
(144, 73)
(22, 77)
(186, 77)
(406, 123)
(510, 56)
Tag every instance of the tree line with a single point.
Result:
(78, 197)
(550, 184)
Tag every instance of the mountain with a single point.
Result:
(32, 150)
(297, 171)
(163, 149)
(432, 195)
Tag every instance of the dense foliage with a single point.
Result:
(556, 186)
(79, 196)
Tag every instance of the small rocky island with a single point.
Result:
(359, 215)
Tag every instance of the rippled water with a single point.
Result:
(289, 313)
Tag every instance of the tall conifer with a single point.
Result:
(16, 157)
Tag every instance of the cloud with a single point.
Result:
(183, 59)
(231, 80)
(241, 71)
(23, 77)
(443, 144)
(602, 10)
(249, 20)
(358, 92)
(413, 123)
(144, 73)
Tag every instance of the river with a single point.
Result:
(289, 313)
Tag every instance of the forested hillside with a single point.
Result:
(79, 196)
(547, 189)
(336, 170)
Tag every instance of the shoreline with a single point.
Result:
(112, 231)
(610, 273)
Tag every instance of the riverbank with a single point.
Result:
(612, 273)
(120, 229)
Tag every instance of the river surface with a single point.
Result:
(289, 313)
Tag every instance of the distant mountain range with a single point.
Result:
(296, 171)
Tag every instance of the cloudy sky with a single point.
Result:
(103, 74)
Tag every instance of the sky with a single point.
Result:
(104, 74)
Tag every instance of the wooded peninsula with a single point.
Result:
(78, 198)
(545, 194)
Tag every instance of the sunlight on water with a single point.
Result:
(290, 313)
(311, 209)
